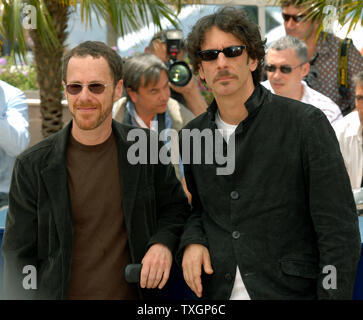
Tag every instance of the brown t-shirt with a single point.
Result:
(100, 244)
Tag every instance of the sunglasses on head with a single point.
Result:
(95, 87)
(284, 68)
(229, 52)
(296, 18)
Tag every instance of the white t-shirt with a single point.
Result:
(239, 291)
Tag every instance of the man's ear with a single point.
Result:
(252, 63)
(118, 90)
(305, 68)
(132, 94)
(201, 71)
(65, 90)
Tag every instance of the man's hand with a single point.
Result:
(196, 255)
(156, 266)
(158, 48)
(189, 88)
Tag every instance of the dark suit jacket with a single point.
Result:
(39, 226)
(286, 213)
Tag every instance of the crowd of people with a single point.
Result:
(81, 213)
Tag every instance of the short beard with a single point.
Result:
(99, 121)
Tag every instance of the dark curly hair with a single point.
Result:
(234, 21)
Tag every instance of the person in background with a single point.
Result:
(14, 134)
(286, 65)
(323, 55)
(148, 103)
(268, 228)
(79, 211)
(349, 133)
(189, 95)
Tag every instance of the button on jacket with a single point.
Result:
(286, 211)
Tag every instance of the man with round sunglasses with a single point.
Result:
(324, 56)
(268, 229)
(79, 212)
(286, 65)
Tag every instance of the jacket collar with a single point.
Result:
(253, 104)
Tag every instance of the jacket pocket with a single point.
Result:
(299, 268)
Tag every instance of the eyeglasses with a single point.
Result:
(359, 98)
(95, 87)
(284, 68)
(296, 18)
(229, 52)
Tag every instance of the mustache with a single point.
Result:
(224, 73)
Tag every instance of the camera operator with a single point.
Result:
(188, 94)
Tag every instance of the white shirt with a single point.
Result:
(239, 291)
(349, 134)
(225, 128)
(14, 133)
(318, 100)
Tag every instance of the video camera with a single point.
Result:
(179, 71)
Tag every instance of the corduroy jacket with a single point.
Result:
(39, 225)
(285, 216)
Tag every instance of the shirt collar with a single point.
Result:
(137, 121)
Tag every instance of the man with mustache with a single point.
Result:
(283, 225)
(286, 65)
(79, 212)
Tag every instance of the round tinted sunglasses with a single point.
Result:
(95, 87)
(284, 68)
(296, 18)
(229, 52)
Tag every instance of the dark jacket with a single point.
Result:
(285, 213)
(39, 226)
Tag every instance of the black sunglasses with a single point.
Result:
(297, 18)
(284, 68)
(229, 52)
(95, 87)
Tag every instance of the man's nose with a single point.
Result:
(165, 95)
(221, 60)
(290, 24)
(85, 94)
(276, 74)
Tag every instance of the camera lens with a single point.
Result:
(179, 73)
